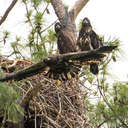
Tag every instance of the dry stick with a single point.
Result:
(60, 115)
(49, 26)
(52, 121)
(59, 103)
(45, 9)
(7, 11)
(32, 92)
(48, 118)
(73, 108)
(35, 118)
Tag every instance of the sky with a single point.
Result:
(108, 18)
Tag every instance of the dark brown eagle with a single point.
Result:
(89, 40)
(66, 43)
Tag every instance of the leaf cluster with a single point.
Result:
(9, 109)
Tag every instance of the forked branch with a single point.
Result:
(78, 7)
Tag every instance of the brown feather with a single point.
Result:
(89, 40)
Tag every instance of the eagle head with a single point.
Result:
(86, 25)
(58, 27)
(86, 22)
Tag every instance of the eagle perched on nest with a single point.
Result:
(65, 44)
(89, 40)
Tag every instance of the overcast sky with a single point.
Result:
(108, 18)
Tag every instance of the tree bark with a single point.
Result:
(59, 9)
(65, 16)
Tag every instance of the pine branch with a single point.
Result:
(54, 60)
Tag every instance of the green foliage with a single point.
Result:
(38, 18)
(79, 25)
(39, 38)
(111, 110)
(14, 113)
(66, 7)
(109, 106)
(51, 35)
(6, 34)
(40, 41)
(48, 1)
(28, 15)
(9, 109)
(36, 2)
(4, 37)
(17, 48)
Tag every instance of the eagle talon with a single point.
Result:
(69, 76)
(58, 83)
(63, 76)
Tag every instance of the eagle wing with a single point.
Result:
(65, 44)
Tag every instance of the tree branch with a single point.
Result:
(59, 9)
(66, 19)
(78, 7)
(56, 60)
(7, 11)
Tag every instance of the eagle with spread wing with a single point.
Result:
(89, 40)
(65, 44)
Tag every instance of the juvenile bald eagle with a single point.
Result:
(65, 44)
(65, 41)
(89, 40)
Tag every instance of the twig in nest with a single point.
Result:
(59, 98)
(35, 118)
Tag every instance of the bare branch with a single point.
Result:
(78, 7)
(7, 11)
(49, 26)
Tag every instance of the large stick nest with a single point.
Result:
(51, 106)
